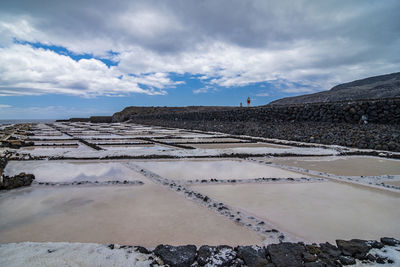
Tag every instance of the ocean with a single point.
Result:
(25, 121)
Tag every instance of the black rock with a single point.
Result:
(390, 241)
(380, 260)
(347, 260)
(330, 250)
(142, 250)
(176, 256)
(371, 258)
(314, 264)
(286, 254)
(216, 256)
(376, 244)
(356, 247)
(252, 256)
(16, 181)
(308, 257)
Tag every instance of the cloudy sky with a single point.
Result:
(78, 58)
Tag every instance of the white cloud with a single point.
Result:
(5, 106)
(27, 70)
(203, 90)
(298, 90)
(226, 43)
(262, 94)
(51, 112)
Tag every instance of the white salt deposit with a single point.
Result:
(72, 171)
(69, 254)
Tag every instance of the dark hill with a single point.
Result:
(127, 112)
(377, 87)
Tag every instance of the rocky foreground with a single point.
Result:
(354, 252)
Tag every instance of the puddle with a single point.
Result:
(235, 145)
(316, 212)
(347, 166)
(145, 216)
(74, 171)
(219, 169)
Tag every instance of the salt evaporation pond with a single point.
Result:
(347, 166)
(318, 211)
(188, 140)
(140, 149)
(73, 171)
(219, 169)
(146, 215)
(235, 145)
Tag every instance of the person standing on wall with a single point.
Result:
(248, 102)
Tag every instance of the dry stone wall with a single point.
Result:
(384, 111)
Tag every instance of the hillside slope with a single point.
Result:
(383, 86)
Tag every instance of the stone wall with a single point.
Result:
(337, 123)
(384, 111)
(100, 119)
(355, 251)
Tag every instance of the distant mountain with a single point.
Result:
(383, 86)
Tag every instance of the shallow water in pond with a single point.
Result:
(146, 149)
(219, 169)
(146, 215)
(71, 171)
(217, 146)
(348, 166)
(316, 212)
(185, 140)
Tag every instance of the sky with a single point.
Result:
(62, 59)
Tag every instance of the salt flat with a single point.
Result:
(232, 198)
